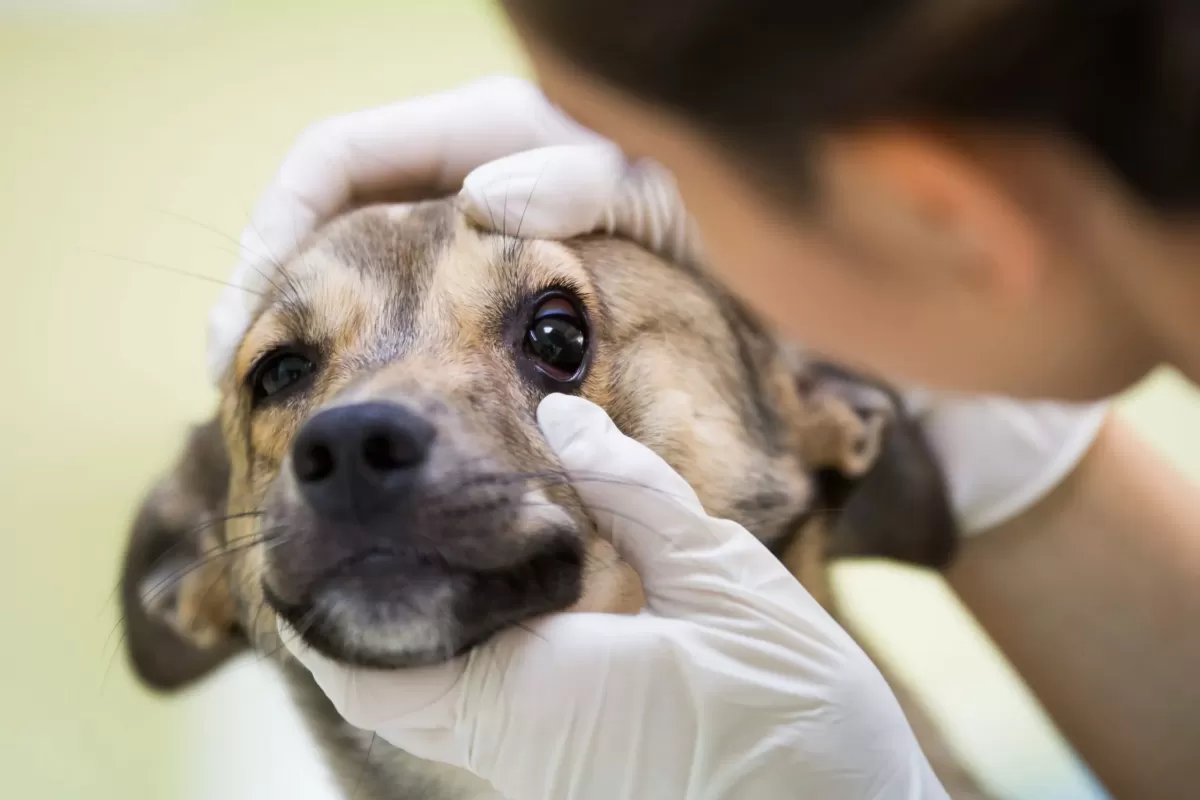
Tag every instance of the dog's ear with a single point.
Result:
(877, 477)
(178, 611)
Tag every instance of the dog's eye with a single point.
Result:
(557, 339)
(279, 373)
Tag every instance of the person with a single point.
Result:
(990, 198)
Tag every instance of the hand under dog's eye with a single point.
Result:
(557, 339)
(280, 373)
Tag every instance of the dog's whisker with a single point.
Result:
(165, 584)
(211, 229)
(174, 270)
(214, 555)
(504, 214)
(184, 541)
(529, 199)
(222, 544)
(187, 537)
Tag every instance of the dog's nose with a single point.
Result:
(358, 460)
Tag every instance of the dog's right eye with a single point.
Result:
(279, 374)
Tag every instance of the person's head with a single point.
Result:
(992, 195)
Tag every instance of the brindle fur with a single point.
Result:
(412, 305)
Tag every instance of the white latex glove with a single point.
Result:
(527, 169)
(733, 683)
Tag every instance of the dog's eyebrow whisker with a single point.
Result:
(529, 199)
(491, 217)
(175, 270)
(301, 254)
(504, 214)
(211, 229)
(278, 268)
(267, 277)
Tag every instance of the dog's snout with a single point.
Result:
(356, 460)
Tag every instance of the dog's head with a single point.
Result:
(376, 476)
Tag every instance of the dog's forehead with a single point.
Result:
(399, 243)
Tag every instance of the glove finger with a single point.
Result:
(548, 193)
(654, 518)
(570, 190)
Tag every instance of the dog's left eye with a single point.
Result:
(279, 372)
(557, 339)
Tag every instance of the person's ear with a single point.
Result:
(879, 485)
(177, 608)
(928, 211)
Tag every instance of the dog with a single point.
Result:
(374, 474)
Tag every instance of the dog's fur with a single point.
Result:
(410, 306)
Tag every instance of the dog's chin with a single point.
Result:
(386, 610)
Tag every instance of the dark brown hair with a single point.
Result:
(1120, 77)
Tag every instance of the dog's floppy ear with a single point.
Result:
(178, 612)
(876, 474)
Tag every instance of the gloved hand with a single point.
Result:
(525, 168)
(427, 147)
(733, 683)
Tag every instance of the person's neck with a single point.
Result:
(1180, 318)
(1160, 280)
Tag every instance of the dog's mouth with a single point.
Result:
(389, 608)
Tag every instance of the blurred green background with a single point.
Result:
(139, 132)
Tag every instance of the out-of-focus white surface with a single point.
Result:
(249, 743)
